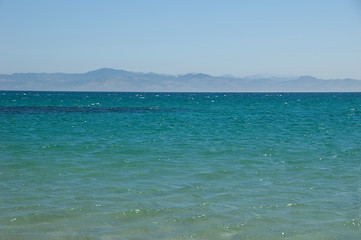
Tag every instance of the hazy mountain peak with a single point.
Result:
(195, 75)
(306, 77)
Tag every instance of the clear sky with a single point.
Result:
(321, 38)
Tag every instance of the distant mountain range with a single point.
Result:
(107, 79)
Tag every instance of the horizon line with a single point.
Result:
(256, 76)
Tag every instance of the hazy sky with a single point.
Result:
(321, 38)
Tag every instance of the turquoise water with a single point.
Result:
(180, 165)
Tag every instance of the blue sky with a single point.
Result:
(321, 38)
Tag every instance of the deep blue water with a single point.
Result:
(180, 165)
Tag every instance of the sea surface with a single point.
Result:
(180, 165)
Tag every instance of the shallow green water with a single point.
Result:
(180, 166)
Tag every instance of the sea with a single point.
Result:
(110, 165)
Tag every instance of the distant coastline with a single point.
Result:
(112, 80)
